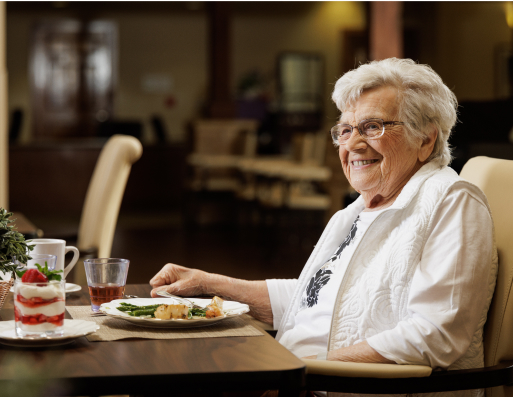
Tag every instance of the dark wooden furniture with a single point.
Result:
(62, 170)
(26, 227)
(72, 75)
(156, 367)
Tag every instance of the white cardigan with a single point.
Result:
(372, 299)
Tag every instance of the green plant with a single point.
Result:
(13, 246)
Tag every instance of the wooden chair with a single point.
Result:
(495, 178)
(103, 199)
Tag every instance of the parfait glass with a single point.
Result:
(39, 308)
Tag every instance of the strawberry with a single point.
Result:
(41, 274)
(34, 276)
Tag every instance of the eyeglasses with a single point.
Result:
(368, 129)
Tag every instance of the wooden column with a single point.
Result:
(4, 138)
(220, 103)
(386, 29)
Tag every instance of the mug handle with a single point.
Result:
(76, 255)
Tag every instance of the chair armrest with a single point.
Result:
(365, 370)
(438, 381)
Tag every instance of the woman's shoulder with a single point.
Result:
(453, 184)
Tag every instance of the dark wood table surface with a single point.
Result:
(149, 367)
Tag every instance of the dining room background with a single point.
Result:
(79, 72)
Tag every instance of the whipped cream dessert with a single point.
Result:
(39, 307)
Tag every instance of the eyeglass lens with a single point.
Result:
(372, 128)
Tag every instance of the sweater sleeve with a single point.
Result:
(280, 294)
(451, 288)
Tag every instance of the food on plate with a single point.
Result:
(174, 312)
(215, 309)
(168, 312)
(39, 300)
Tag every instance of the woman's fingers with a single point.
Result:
(178, 280)
(162, 288)
(167, 275)
(186, 287)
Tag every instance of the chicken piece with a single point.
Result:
(167, 312)
(215, 309)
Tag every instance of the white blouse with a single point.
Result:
(446, 285)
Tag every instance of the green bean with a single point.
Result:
(125, 308)
(147, 312)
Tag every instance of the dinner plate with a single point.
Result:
(230, 308)
(69, 288)
(73, 329)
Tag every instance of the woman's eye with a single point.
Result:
(345, 131)
(372, 126)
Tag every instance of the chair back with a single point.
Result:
(495, 178)
(105, 192)
(222, 137)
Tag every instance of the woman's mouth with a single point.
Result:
(362, 162)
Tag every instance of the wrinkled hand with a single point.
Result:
(179, 280)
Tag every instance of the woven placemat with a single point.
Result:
(115, 329)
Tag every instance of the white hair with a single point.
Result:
(424, 100)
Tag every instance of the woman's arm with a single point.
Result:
(359, 353)
(179, 280)
(451, 288)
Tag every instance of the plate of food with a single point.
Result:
(173, 312)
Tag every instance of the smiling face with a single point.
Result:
(378, 169)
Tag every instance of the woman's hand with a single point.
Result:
(182, 281)
(179, 280)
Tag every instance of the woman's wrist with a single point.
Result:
(219, 285)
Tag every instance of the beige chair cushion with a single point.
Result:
(495, 178)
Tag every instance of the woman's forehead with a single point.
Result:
(382, 102)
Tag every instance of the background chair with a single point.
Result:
(218, 146)
(495, 178)
(289, 181)
(103, 199)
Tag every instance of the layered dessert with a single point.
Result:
(39, 306)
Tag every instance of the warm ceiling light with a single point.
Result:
(508, 6)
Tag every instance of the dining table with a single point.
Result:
(136, 366)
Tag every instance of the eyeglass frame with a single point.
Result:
(364, 136)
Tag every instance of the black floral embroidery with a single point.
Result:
(324, 274)
(347, 241)
(318, 281)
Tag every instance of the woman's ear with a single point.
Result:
(426, 148)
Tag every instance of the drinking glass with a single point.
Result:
(41, 259)
(106, 279)
(39, 308)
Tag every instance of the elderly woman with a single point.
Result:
(406, 273)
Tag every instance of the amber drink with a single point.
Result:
(103, 293)
(106, 279)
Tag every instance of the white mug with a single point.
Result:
(58, 248)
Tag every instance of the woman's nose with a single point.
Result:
(355, 141)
